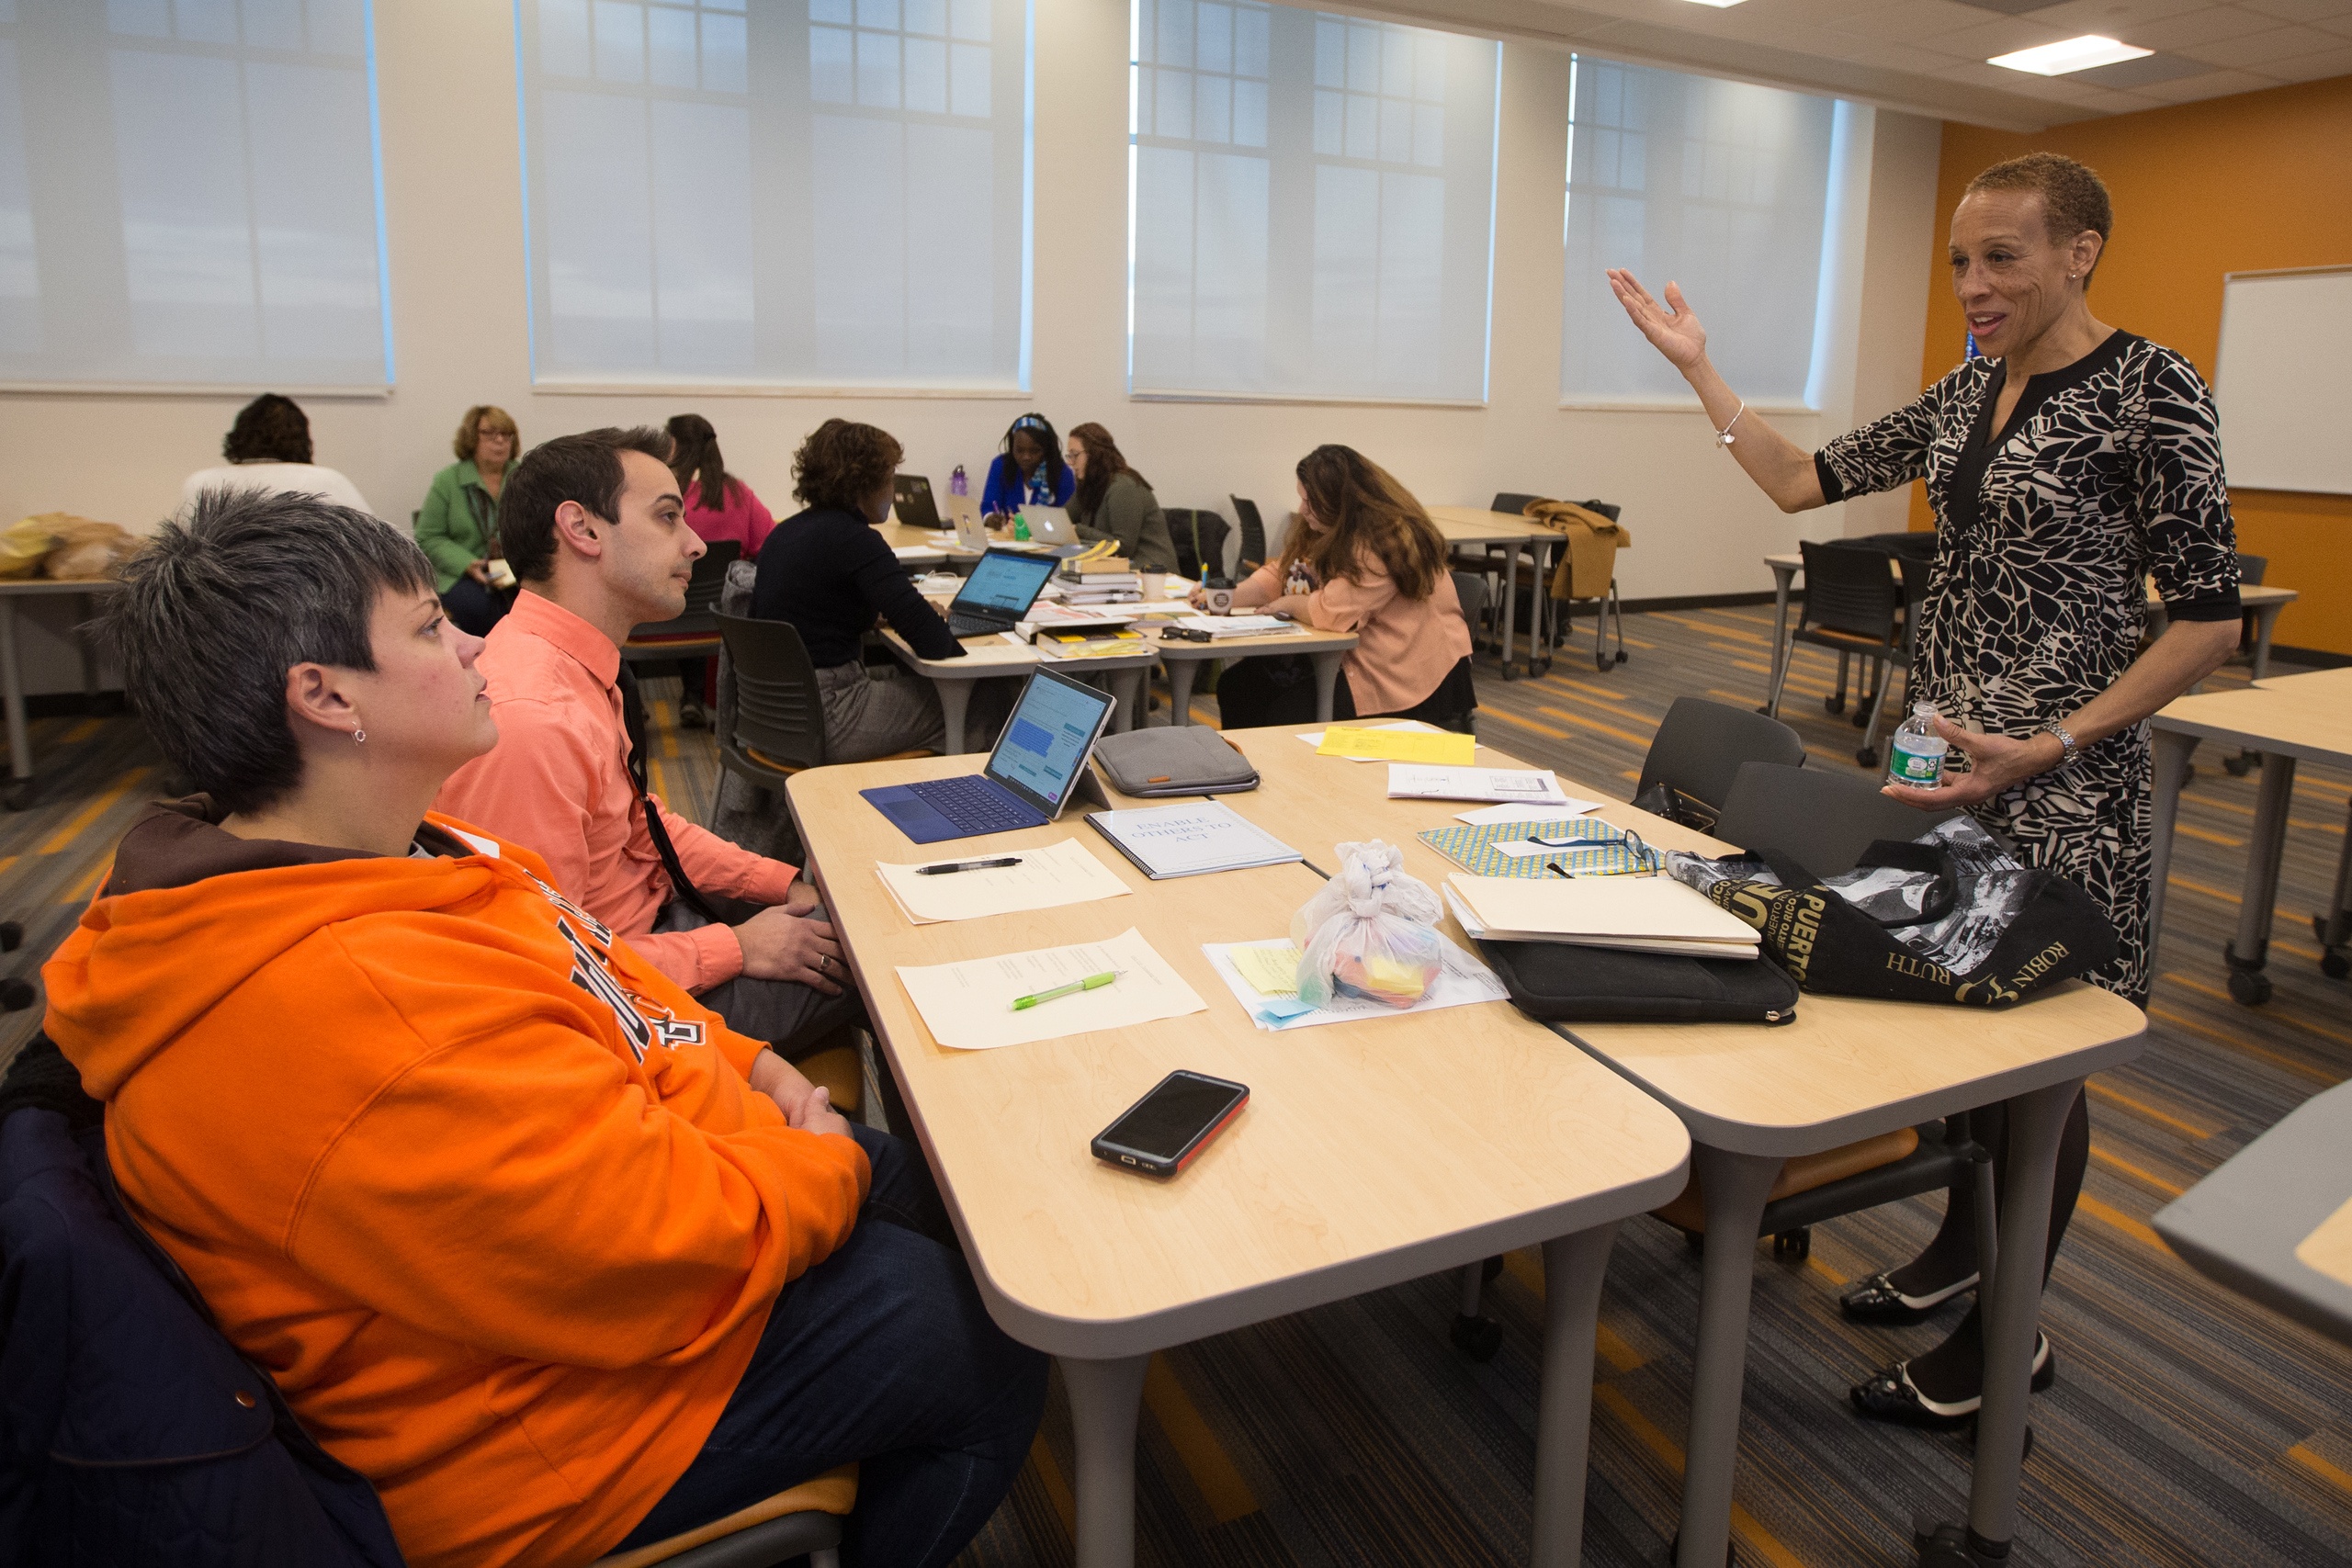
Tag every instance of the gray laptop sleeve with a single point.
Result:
(1193, 760)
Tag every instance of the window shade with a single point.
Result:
(1719, 185)
(1311, 204)
(189, 194)
(814, 193)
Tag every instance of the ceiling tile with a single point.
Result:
(2299, 10)
(2129, 73)
(1890, 56)
(2198, 27)
(1989, 39)
(2312, 67)
(2278, 43)
(2190, 89)
(1910, 20)
(2115, 19)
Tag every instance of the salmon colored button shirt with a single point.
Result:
(557, 782)
(1405, 648)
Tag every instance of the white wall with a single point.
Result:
(446, 76)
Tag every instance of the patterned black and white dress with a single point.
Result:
(2107, 471)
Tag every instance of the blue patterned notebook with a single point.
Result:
(1607, 849)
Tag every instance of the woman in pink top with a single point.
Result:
(1364, 558)
(721, 508)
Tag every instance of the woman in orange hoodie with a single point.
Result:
(526, 1236)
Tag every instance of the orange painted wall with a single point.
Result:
(2239, 183)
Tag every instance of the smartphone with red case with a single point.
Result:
(1160, 1133)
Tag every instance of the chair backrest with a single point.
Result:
(2251, 568)
(1608, 509)
(1200, 538)
(1848, 587)
(1471, 589)
(775, 708)
(702, 594)
(1698, 750)
(1512, 501)
(1253, 532)
(1821, 817)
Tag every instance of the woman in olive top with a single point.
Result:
(1364, 558)
(458, 526)
(1113, 501)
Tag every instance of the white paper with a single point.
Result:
(1415, 781)
(913, 552)
(1528, 811)
(1190, 839)
(1523, 849)
(1237, 625)
(1061, 872)
(968, 1006)
(1463, 981)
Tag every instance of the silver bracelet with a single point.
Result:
(2065, 739)
(1723, 437)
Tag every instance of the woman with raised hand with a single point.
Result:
(2067, 464)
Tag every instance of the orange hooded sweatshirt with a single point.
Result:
(486, 1192)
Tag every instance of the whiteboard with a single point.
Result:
(2284, 379)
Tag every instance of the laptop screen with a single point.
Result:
(1005, 581)
(1045, 742)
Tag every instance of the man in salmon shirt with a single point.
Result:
(596, 530)
(539, 1246)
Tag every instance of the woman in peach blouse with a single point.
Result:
(1364, 558)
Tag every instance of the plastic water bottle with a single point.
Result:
(958, 484)
(1917, 755)
(1020, 528)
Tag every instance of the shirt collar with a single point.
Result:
(544, 618)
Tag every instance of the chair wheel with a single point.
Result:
(2238, 767)
(1833, 705)
(1621, 655)
(16, 996)
(1476, 1337)
(2335, 965)
(1867, 756)
(1600, 662)
(1796, 1245)
(2251, 987)
(12, 936)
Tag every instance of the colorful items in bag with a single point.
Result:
(1371, 931)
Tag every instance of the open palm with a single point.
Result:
(1672, 328)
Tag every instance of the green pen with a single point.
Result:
(1091, 983)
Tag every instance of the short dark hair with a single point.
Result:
(215, 609)
(585, 467)
(2074, 197)
(270, 429)
(841, 463)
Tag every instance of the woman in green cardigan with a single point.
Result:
(1113, 502)
(458, 526)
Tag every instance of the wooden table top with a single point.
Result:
(991, 655)
(2328, 1248)
(1845, 1062)
(2307, 716)
(1476, 525)
(1370, 1152)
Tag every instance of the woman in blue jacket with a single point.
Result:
(1030, 471)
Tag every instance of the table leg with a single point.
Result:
(2172, 753)
(2265, 618)
(2249, 949)
(1573, 1267)
(1127, 688)
(1104, 1400)
(1510, 605)
(1542, 608)
(1783, 577)
(1326, 681)
(954, 700)
(12, 696)
(2013, 1314)
(1735, 1187)
(1179, 688)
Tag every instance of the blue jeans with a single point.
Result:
(881, 1354)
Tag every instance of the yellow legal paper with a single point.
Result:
(1441, 747)
(1269, 971)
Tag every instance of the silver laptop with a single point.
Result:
(971, 532)
(1050, 524)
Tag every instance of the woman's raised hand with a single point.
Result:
(1673, 328)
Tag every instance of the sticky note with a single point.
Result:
(1441, 747)
(1269, 971)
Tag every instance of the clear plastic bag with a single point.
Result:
(1371, 932)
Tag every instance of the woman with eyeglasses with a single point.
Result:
(459, 524)
(1114, 503)
(1029, 471)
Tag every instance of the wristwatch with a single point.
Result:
(2065, 739)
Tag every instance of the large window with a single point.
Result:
(1311, 204)
(825, 193)
(189, 195)
(1719, 185)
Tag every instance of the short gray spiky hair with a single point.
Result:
(216, 608)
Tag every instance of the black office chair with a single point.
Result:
(1854, 606)
(1699, 749)
(1471, 589)
(1821, 819)
(1253, 535)
(1512, 501)
(1200, 538)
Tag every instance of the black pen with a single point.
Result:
(945, 868)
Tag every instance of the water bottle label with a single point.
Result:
(1922, 768)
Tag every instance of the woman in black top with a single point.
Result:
(2065, 465)
(827, 573)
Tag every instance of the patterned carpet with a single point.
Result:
(2186, 1427)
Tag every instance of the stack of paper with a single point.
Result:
(1236, 626)
(1060, 873)
(968, 1006)
(1644, 914)
(1527, 786)
(1264, 978)
(1190, 840)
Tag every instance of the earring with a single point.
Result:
(359, 737)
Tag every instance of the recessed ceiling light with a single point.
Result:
(2074, 54)
(1718, 5)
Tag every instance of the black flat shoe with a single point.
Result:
(1890, 1395)
(1876, 1300)
(692, 716)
